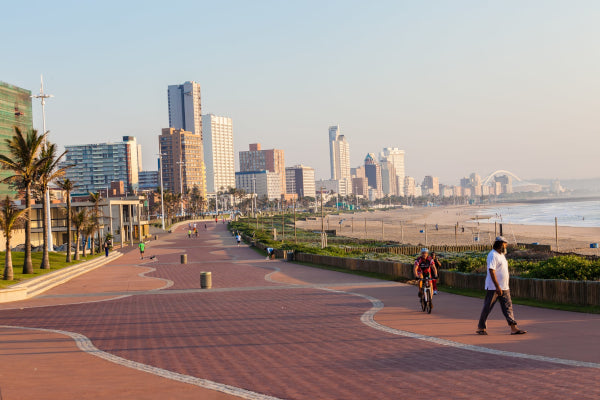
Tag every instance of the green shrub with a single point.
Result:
(565, 267)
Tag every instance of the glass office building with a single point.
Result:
(15, 111)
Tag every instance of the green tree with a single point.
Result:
(22, 159)
(10, 218)
(67, 185)
(80, 221)
(95, 216)
(49, 171)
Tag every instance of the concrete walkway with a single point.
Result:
(270, 329)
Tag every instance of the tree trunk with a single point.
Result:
(8, 267)
(27, 265)
(93, 235)
(85, 239)
(45, 257)
(77, 244)
(69, 235)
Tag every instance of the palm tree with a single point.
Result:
(88, 232)
(10, 218)
(80, 220)
(48, 172)
(24, 162)
(67, 185)
(95, 217)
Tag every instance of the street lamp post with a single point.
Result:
(162, 190)
(43, 96)
(181, 183)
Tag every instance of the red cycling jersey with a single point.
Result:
(424, 265)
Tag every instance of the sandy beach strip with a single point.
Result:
(408, 225)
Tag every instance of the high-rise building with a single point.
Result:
(505, 182)
(300, 180)
(339, 154)
(185, 111)
(96, 166)
(264, 184)
(219, 160)
(148, 180)
(409, 186)
(339, 187)
(182, 161)
(15, 111)
(389, 179)
(339, 157)
(396, 157)
(264, 160)
(373, 174)
(432, 185)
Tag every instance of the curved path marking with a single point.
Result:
(368, 319)
(86, 345)
(377, 305)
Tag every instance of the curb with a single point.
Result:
(36, 286)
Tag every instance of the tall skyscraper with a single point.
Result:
(373, 174)
(396, 157)
(185, 111)
(218, 152)
(96, 166)
(15, 110)
(389, 180)
(339, 154)
(182, 161)
(264, 160)
(300, 180)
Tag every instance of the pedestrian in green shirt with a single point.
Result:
(142, 248)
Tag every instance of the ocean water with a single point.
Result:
(569, 213)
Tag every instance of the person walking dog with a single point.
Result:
(496, 285)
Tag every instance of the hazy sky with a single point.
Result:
(461, 86)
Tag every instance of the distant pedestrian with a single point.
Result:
(239, 239)
(196, 232)
(269, 252)
(496, 285)
(205, 227)
(142, 247)
(189, 233)
(106, 248)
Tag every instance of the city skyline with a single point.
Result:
(456, 80)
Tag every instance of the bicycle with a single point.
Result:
(427, 297)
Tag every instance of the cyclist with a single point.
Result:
(424, 266)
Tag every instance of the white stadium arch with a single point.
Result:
(500, 172)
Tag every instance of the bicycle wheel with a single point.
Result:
(423, 302)
(429, 304)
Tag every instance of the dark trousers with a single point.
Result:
(505, 303)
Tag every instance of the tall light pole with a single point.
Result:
(162, 190)
(181, 183)
(43, 96)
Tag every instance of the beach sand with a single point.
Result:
(404, 225)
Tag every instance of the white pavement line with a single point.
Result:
(86, 345)
(368, 319)
(168, 283)
(122, 296)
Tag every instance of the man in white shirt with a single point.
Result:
(496, 285)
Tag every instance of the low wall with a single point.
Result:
(552, 290)
(412, 250)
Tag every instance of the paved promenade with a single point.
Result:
(142, 329)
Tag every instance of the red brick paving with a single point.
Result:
(43, 365)
(304, 343)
